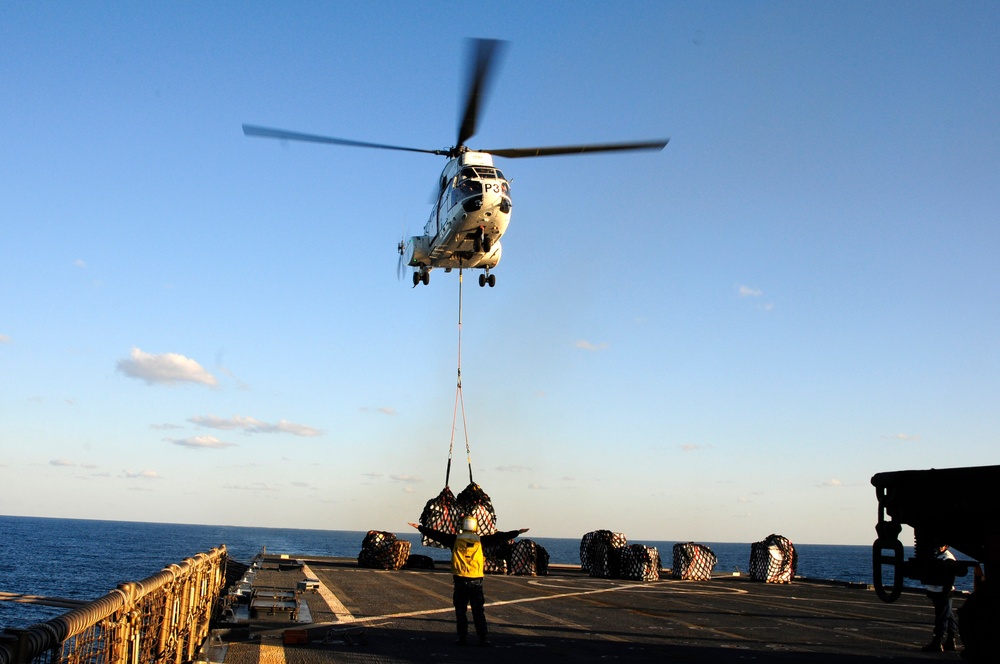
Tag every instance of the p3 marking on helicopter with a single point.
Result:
(473, 205)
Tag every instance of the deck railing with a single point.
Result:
(162, 619)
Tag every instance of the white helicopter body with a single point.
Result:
(466, 223)
(473, 204)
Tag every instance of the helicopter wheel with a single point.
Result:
(487, 243)
(425, 277)
(416, 278)
(492, 280)
(482, 280)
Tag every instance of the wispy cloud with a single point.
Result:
(62, 463)
(141, 475)
(253, 425)
(513, 468)
(200, 442)
(690, 447)
(590, 346)
(381, 410)
(833, 482)
(535, 486)
(80, 263)
(166, 426)
(253, 486)
(164, 369)
(902, 436)
(408, 479)
(4, 339)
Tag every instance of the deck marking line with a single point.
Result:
(451, 609)
(337, 608)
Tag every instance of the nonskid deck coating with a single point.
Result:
(364, 615)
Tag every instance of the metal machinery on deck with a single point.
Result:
(959, 507)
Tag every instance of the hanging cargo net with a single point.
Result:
(600, 553)
(381, 550)
(773, 560)
(528, 558)
(693, 562)
(445, 512)
(640, 563)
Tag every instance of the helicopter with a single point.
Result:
(472, 205)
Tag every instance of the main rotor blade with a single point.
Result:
(265, 132)
(481, 67)
(513, 153)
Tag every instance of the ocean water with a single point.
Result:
(83, 559)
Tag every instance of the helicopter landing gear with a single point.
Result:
(421, 276)
(487, 278)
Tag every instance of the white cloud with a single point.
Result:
(200, 442)
(253, 425)
(689, 447)
(62, 463)
(79, 262)
(747, 291)
(409, 479)
(164, 369)
(834, 482)
(4, 339)
(534, 486)
(589, 346)
(141, 475)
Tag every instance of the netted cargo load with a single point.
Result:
(773, 560)
(474, 501)
(496, 559)
(381, 550)
(528, 558)
(600, 553)
(640, 563)
(693, 562)
(441, 513)
(445, 512)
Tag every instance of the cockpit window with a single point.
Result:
(481, 172)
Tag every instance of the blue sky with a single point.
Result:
(714, 342)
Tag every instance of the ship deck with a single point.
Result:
(364, 615)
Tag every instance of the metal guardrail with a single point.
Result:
(161, 619)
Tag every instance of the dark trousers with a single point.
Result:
(469, 591)
(945, 624)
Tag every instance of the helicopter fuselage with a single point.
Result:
(468, 219)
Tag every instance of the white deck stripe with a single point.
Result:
(336, 607)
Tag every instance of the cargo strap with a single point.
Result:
(459, 400)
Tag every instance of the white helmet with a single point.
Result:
(469, 524)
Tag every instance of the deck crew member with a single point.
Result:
(467, 563)
(939, 590)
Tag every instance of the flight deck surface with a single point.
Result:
(365, 615)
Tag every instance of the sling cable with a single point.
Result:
(445, 512)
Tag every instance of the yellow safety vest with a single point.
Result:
(467, 556)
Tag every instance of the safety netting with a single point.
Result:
(445, 511)
(528, 558)
(381, 550)
(640, 563)
(693, 562)
(773, 560)
(600, 553)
